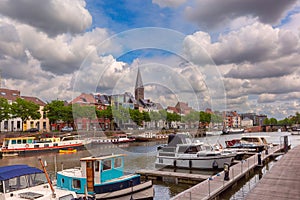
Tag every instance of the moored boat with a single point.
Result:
(20, 182)
(181, 152)
(150, 136)
(103, 177)
(233, 130)
(28, 145)
(249, 143)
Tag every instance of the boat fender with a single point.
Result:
(27, 145)
(190, 164)
(174, 163)
(215, 165)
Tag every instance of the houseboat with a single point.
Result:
(182, 152)
(28, 145)
(21, 182)
(103, 177)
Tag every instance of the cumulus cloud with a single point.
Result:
(52, 17)
(212, 14)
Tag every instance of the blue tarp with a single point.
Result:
(12, 171)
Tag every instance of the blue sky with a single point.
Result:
(254, 47)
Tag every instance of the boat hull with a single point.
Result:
(194, 163)
(142, 191)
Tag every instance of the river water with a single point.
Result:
(142, 156)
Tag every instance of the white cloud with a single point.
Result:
(215, 14)
(52, 17)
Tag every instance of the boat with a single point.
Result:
(28, 145)
(182, 152)
(233, 130)
(249, 143)
(70, 150)
(103, 177)
(21, 182)
(121, 138)
(213, 133)
(150, 136)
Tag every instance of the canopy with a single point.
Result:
(12, 171)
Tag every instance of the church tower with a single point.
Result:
(139, 87)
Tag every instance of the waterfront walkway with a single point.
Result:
(215, 185)
(282, 181)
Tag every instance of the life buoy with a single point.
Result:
(27, 145)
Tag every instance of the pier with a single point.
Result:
(282, 182)
(176, 177)
(215, 185)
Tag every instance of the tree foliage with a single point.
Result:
(4, 110)
(25, 110)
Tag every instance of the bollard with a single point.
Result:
(259, 159)
(226, 171)
(286, 143)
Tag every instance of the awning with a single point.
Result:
(12, 171)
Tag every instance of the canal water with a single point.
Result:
(142, 156)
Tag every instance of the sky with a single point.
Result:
(238, 55)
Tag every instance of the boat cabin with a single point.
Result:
(93, 171)
(17, 177)
(17, 142)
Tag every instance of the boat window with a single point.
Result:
(55, 144)
(182, 149)
(29, 141)
(118, 162)
(66, 197)
(36, 146)
(24, 141)
(264, 140)
(46, 145)
(19, 141)
(106, 164)
(97, 166)
(13, 142)
(192, 149)
(76, 184)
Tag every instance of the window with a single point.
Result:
(106, 164)
(97, 166)
(76, 184)
(24, 141)
(13, 142)
(55, 144)
(19, 141)
(118, 162)
(46, 145)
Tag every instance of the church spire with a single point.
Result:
(139, 87)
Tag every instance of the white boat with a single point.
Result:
(21, 182)
(233, 130)
(213, 133)
(27, 145)
(181, 152)
(249, 143)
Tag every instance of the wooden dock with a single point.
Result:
(176, 177)
(282, 182)
(212, 187)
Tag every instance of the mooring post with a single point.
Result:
(259, 159)
(226, 171)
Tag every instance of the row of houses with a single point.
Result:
(234, 120)
(15, 124)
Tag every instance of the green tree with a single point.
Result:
(25, 110)
(136, 116)
(4, 110)
(273, 121)
(266, 121)
(55, 111)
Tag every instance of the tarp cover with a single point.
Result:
(12, 171)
